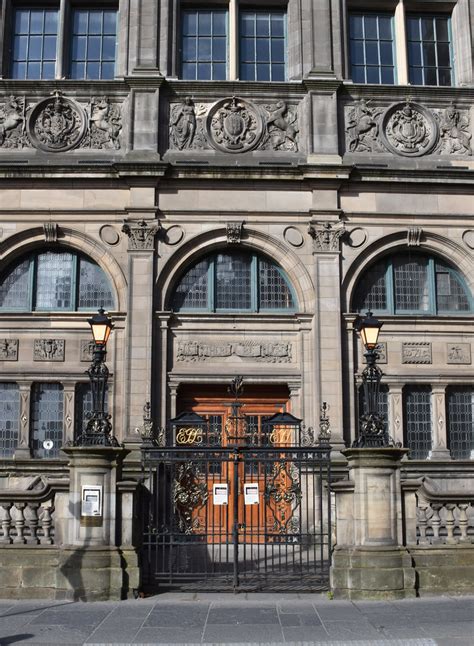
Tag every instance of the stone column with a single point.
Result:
(439, 447)
(369, 559)
(317, 38)
(395, 412)
(23, 449)
(91, 564)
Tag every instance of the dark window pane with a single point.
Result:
(35, 48)
(80, 21)
(460, 418)
(386, 53)
(94, 287)
(263, 51)
(20, 48)
(49, 48)
(387, 75)
(278, 72)
(411, 284)
(19, 70)
(278, 51)
(219, 23)
(358, 74)
(22, 21)
(247, 23)
(373, 75)
(78, 70)
(385, 28)
(273, 289)
(209, 49)
(443, 54)
(444, 76)
(247, 49)
(15, 288)
(93, 71)
(95, 22)
(49, 70)
(34, 71)
(108, 48)
(46, 419)
(204, 71)
(417, 425)
(247, 72)
(205, 23)
(370, 24)
(204, 49)
(355, 26)
(54, 276)
(357, 52)
(434, 50)
(416, 76)
(36, 21)
(9, 418)
(263, 24)
(233, 281)
(414, 54)
(371, 291)
(277, 25)
(188, 71)
(219, 49)
(108, 70)
(427, 29)
(413, 29)
(429, 55)
(431, 78)
(219, 71)
(189, 49)
(93, 50)
(263, 72)
(442, 29)
(110, 22)
(190, 23)
(192, 290)
(371, 53)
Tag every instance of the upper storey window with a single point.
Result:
(429, 50)
(35, 35)
(399, 47)
(209, 39)
(372, 48)
(93, 43)
(84, 48)
(241, 282)
(412, 284)
(54, 280)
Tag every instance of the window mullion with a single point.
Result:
(211, 286)
(254, 285)
(75, 283)
(233, 41)
(32, 283)
(61, 38)
(432, 286)
(390, 288)
(401, 44)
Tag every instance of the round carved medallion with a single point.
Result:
(56, 124)
(234, 125)
(409, 129)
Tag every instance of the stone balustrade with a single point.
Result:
(439, 517)
(27, 516)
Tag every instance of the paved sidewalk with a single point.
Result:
(241, 619)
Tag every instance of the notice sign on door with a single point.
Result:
(220, 494)
(251, 493)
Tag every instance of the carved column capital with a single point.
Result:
(326, 236)
(141, 234)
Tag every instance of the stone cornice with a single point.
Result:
(414, 93)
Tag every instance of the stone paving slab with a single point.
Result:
(279, 619)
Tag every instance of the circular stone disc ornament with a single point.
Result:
(409, 129)
(234, 125)
(174, 234)
(293, 236)
(468, 238)
(357, 237)
(109, 235)
(56, 124)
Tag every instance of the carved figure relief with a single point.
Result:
(105, 125)
(12, 123)
(416, 352)
(459, 353)
(281, 128)
(141, 235)
(455, 137)
(362, 128)
(234, 125)
(8, 349)
(409, 130)
(381, 350)
(87, 350)
(326, 236)
(182, 124)
(56, 124)
(48, 350)
(277, 352)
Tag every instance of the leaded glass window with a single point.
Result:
(460, 418)
(9, 418)
(412, 284)
(93, 43)
(429, 50)
(55, 280)
(417, 423)
(262, 45)
(35, 34)
(46, 419)
(204, 44)
(83, 406)
(233, 281)
(371, 47)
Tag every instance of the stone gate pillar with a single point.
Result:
(93, 564)
(369, 559)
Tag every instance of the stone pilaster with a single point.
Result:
(395, 412)
(439, 450)
(23, 449)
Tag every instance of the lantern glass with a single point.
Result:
(101, 326)
(369, 329)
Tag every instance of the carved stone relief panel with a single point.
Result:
(8, 349)
(87, 349)
(407, 129)
(261, 351)
(381, 350)
(59, 123)
(459, 353)
(48, 350)
(233, 125)
(416, 352)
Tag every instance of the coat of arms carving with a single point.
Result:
(56, 124)
(409, 129)
(234, 125)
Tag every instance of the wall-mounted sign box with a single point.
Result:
(220, 494)
(91, 500)
(251, 493)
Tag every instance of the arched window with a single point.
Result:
(233, 281)
(412, 284)
(55, 280)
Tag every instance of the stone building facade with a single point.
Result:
(236, 227)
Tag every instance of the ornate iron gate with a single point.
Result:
(252, 514)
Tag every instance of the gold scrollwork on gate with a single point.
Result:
(281, 435)
(189, 436)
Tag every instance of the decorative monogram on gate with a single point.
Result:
(189, 436)
(189, 495)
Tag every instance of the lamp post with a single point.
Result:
(372, 432)
(98, 430)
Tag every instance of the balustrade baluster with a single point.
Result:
(436, 521)
(19, 522)
(422, 522)
(46, 523)
(450, 521)
(463, 521)
(6, 523)
(32, 522)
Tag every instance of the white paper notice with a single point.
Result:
(220, 494)
(251, 493)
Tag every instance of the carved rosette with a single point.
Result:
(56, 124)
(234, 125)
(409, 129)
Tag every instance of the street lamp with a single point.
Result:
(372, 431)
(98, 430)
